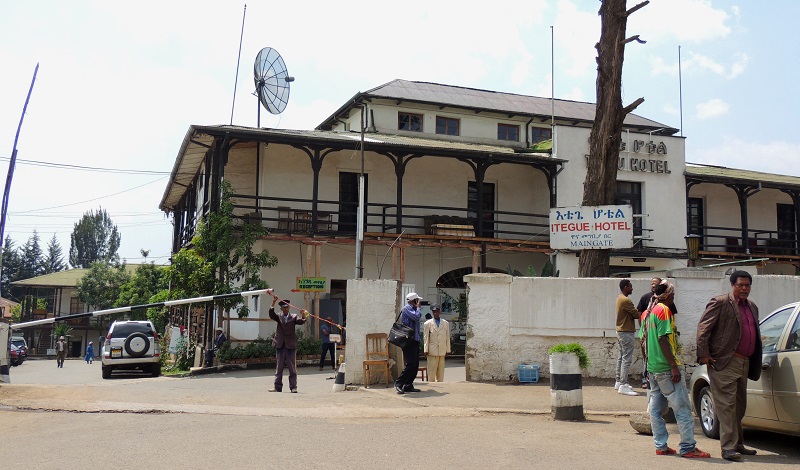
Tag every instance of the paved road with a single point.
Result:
(229, 420)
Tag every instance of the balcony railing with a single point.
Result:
(335, 218)
(759, 241)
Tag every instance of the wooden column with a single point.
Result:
(403, 264)
(395, 250)
(317, 312)
(307, 295)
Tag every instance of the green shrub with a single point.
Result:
(576, 348)
(308, 345)
(263, 348)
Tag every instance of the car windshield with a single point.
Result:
(18, 342)
(772, 327)
(123, 330)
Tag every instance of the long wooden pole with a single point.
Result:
(12, 163)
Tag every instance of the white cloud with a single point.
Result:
(738, 66)
(575, 94)
(576, 32)
(681, 20)
(779, 157)
(712, 109)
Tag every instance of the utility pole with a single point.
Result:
(361, 211)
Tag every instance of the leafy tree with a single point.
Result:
(101, 286)
(145, 282)
(190, 275)
(94, 238)
(599, 187)
(229, 250)
(148, 280)
(220, 259)
(31, 258)
(54, 260)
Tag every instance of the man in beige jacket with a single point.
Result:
(437, 343)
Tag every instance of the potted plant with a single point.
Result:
(566, 390)
(575, 349)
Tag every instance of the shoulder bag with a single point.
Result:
(400, 335)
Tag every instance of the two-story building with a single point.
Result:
(460, 180)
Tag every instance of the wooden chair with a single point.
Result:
(284, 219)
(377, 354)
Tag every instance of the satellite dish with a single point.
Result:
(272, 81)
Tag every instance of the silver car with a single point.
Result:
(773, 401)
(131, 345)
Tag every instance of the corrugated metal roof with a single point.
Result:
(67, 278)
(198, 138)
(494, 101)
(713, 173)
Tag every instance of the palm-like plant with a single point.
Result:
(61, 329)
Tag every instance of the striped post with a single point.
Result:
(338, 384)
(566, 389)
(5, 359)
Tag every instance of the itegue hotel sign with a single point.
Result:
(591, 227)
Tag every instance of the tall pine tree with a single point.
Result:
(31, 258)
(94, 238)
(10, 272)
(54, 260)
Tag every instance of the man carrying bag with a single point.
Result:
(409, 316)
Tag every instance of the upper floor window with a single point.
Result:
(447, 126)
(508, 132)
(76, 305)
(538, 134)
(409, 122)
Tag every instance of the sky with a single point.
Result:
(119, 83)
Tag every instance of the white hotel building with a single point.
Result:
(456, 184)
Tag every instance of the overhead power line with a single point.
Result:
(66, 166)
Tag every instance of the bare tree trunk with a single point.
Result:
(600, 185)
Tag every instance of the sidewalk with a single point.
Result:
(455, 393)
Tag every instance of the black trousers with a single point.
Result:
(411, 366)
(325, 348)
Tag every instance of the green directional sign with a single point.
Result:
(311, 284)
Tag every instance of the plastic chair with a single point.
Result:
(377, 356)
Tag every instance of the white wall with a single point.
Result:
(515, 320)
(371, 308)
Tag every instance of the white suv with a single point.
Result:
(132, 344)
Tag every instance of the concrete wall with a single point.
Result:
(371, 308)
(515, 320)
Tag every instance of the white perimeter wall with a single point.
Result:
(371, 308)
(515, 320)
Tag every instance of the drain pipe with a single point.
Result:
(528, 132)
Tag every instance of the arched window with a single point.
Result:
(455, 279)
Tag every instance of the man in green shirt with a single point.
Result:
(668, 385)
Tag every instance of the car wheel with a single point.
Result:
(107, 372)
(708, 418)
(155, 370)
(137, 344)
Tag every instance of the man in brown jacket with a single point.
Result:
(729, 343)
(285, 343)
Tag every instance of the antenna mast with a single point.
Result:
(236, 81)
